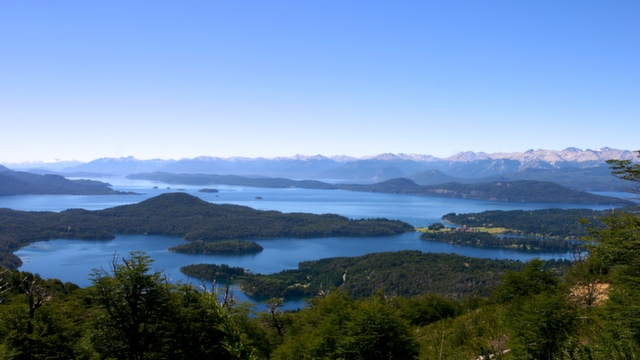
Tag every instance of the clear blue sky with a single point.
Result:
(174, 79)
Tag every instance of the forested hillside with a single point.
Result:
(23, 183)
(403, 273)
(484, 239)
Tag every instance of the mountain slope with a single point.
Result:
(23, 183)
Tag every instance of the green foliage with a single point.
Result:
(617, 246)
(376, 332)
(480, 332)
(563, 223)
(436, 226)
(133, 304)
(140, 315)
(532, 280)
(218, 247)
(427, 309)
(212, 272)
(483, 239)
(617, 243)
(541, 326)
(626, 170)
(336, 327)
(402, 273)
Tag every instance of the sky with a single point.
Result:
(179, 79)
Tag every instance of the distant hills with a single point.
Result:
(24, 183)
(512, 191)
(575, 168)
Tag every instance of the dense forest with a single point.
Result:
(561, 223)
(403, 273)
(218, 247)
(183, 215)
(24, 183)
(213, 272)
(484, 239)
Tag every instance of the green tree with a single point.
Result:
(337, 327)
(142, 316)
(541, 326)
(626, 170)
(532, 280)
(376, 332)
(617, 246)
(436, 226)
(52, 330)
(133, 303)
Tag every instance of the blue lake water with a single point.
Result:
(73, 260)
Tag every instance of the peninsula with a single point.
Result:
(182, 215)
(24, 183)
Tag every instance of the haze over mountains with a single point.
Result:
(572, 167)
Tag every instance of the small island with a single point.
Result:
(219, 247)
(212, 272)
(208, 190)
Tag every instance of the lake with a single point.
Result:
(72, 260)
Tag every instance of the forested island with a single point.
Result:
(403, 273)
(208, 190)
(218, 247)
(179, 214)
(511, 191)
(484, 239)
(213, 272)
(558, 223)
(24, 183)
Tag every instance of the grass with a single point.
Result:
(490, 230)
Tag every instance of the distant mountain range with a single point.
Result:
(571, 167)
